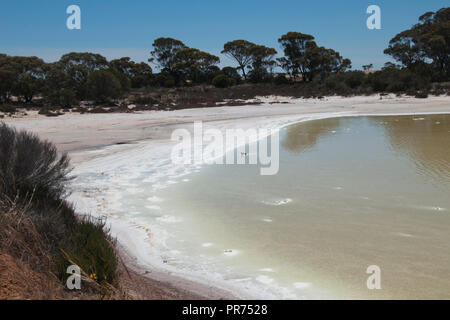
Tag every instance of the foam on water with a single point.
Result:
(207, 244)
(169, 219)
(264, 279)
(155, 199)
(153, 207)
(429, 208)
(301, 285)
(266, 270)
(277, 202)
(135, 190)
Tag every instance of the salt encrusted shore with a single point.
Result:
(104, 141)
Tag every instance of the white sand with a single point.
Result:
(92, 142)
(76, 132)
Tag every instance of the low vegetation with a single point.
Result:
(39, 229)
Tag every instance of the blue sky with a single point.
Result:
(117, 28)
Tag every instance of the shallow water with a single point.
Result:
(350, 193)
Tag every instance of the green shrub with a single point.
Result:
(31, 166)
(125, 82)
(89, 247)
(49, 112)
(81, 110)
(280, 80)
(103, 86)
(334, 84)
(231, 73)
(145, 100)
(67, 98)
(64, 98)
(99, 109)
(421, 95)
(354, 79)
(7, 108)
(165, 80)
(396, 80)
(222, 81)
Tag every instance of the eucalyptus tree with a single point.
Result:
(78, 67)
(7, 77)
(294, 45)
(164, 53)
(240, 51)
(139, 74)
(28, 77)
(426, 43)
(193, 64)
(103, 85)
(303, 56)
(262, 62)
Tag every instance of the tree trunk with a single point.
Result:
(243, 72)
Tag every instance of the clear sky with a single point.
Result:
(117, 28)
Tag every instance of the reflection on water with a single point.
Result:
(350, 193)
(425, 140)
(299, 138)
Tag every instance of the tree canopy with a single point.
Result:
(240, 51)
(139, 74)
(262, 62)
(103, 85)
(164, 53)
(294, 45)
(193, 64)
(21, 76)
(426, 42)
(303, 56)
(78, 67)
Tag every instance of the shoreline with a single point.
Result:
(85, 137)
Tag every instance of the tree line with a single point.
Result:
(422, 55)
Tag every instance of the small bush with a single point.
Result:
(334, 84)
(90, 249)
(81, 110)
(7, 108)
(103, 85)
(145, 100)
(49, 113)
(99, 110)
(421, 95)
(232, 73)
(30, 166)
(165, 80)
(67, 98)
(222, 81)
(280, 80)
(354, 79)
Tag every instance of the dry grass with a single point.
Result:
(26, 267)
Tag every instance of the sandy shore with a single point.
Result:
(76, 132)
(106, 142)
